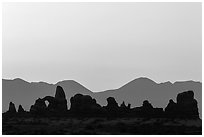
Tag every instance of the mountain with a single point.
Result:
(134, 92)
(138, 90)
(21, 92)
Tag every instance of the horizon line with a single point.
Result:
(142, 77)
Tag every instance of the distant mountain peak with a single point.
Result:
(143, 80)
(20, 80)
(71, 83)
(67, 81)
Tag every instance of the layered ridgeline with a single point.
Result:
(135, 92)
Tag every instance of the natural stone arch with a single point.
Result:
(50, 99)
(57, 104)
(47, 103)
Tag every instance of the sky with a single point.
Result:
(102, 45)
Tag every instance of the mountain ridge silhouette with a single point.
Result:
(134, 92)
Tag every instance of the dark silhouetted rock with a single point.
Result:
(12, 108)
(84, 105)
(123, 105)
(146, 105)
(171, 109)
(129, 105)
(158, 112)
(137, 112)
(20, 109)
(57, 105)
(59, 94)
(112, 107)
(187, 105)
(60, 98)
(52, 106)
(39, 107)
(186, 96)
(112, 104)
(147, 108)
(124, 109)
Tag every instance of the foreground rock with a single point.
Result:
(39, 107)
(147, 110)
(124, 108)
(20, 109)
(12, 108)
(57, 105)
(85, 105)
(171, 108)
(186, 106)
(60, 98)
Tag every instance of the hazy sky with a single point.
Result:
(102, 45)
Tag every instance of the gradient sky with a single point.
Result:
(102, 45)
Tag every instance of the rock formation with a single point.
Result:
(112, 104)
(60, 98)
(12, 108)
(20, 109)
(147, 108)
(112, 107)
(124, 109)
(171, 109)
(59, 94)
(52, 106)
(186, 106)
(129, 106)
(39, 107)
(123, 105)
(146, 105)
(84, 105)
(57, 104)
